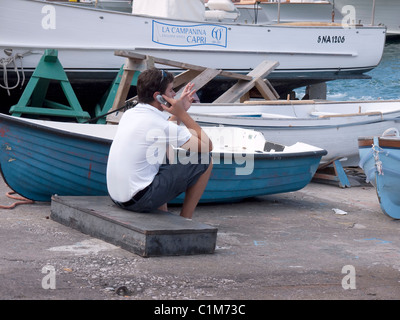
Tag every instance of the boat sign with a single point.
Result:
(189, 35)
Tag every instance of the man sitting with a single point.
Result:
(140, 177)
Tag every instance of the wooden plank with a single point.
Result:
(271, 87)
(327, 164)
(139, 64)
(202, 79)
(235, 92)
(263, 69)
(185, 77)
(242, 86)
(123, 89)
(130, 54)
(136, 63)
(338, 174)
(280, 102)
(372, 113)
(245, 97)
(177, 64)
(234, 75)
(365, 142)
(389, 142)
(265, 91)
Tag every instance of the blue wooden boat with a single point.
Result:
(41, 158)
(380, 160)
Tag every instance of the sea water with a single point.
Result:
(384, 83)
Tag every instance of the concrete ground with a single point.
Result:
(287, 246)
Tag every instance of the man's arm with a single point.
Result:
(199, 142)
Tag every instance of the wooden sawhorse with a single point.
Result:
(338, 173)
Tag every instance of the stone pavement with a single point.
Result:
(287, 246)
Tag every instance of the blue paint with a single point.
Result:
(260, 243)
(377, 241)
(37, 162)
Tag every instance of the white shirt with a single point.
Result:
(139, 148)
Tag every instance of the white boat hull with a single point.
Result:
(86, 39)
(333, 126)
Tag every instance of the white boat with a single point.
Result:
(86, 39)
(333, 126)
(387, 12)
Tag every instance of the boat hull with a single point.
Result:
(86, 47)
(38, 161)
(380, 160)
(333, 126)
(270, 175)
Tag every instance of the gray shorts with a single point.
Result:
(170, 181)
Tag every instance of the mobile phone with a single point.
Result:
(161, 100)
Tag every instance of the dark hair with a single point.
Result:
(150, 81)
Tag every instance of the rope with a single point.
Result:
(22, 201)
(4, 62)
(378, 163)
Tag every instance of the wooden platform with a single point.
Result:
(146, 234)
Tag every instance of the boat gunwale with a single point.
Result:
(384, 142)
(276, 155)
(64, 133)
(59, 132)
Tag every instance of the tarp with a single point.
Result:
(174, 9)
